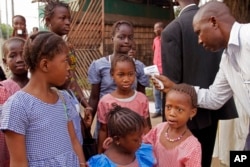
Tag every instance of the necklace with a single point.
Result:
(174, 139)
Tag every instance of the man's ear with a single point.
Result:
(43, 65)
(213, 21)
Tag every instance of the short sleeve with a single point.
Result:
(4, 95)
(70, 108)
(146, 109)
(102, 110)
(144, 104)
(150, 137)
(100, 160)
(145, 155)
(14, 116)
(140, 75)
(93, 73)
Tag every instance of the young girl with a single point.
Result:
(13, 61)
(36, 120)
(99, 71)
(19, 27)
(57, 19)
(125, 130)
(123, 73)
(173, 143)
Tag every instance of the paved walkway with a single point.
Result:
(157, 120)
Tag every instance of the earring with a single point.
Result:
(190, 118)
(117, 143)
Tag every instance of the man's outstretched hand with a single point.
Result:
(168, 84)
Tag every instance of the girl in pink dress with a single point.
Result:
(173, 143)
(123, 73)
(13, 61)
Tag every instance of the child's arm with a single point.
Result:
(76, 144)
(17, 149)
(94, 97)
(102, 135)
(80, 96)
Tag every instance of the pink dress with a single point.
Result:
(186, 154)
(7, 88)
(138, 103)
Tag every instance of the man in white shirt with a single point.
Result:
(216, 29)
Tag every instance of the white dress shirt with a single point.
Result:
(233, 77)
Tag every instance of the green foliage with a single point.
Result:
(6, 31)
(177, 11)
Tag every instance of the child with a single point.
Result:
(13, 61)
(57, 19)
(158, 27)
(36, 120)
(173, 143)
(125, 130)
(123, 73)
(99, 71)
(19, 27)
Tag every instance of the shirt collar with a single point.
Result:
(192, 4)
(234, 35)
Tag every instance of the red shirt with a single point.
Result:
(157, 53)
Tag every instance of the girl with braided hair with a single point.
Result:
(173, 143)
(37, 120)
(125, 128)
(123, 73)
(57, 19)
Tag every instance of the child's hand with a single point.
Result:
(88, 116)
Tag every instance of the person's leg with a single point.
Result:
(158, 103)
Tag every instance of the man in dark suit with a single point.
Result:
(185, 61)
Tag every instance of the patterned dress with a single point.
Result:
(186, 154)
(138, 103)
(7, 88)
(44, 126)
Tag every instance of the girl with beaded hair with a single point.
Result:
(125, 129)
(173, 142)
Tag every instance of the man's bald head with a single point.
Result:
(212, 9)
(213, 23)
